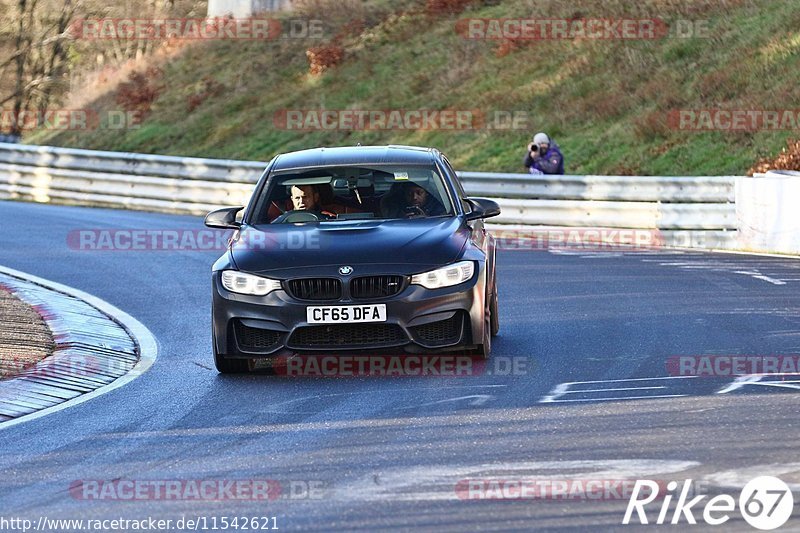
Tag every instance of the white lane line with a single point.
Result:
(755, 274)
(316, 397)
(756, 379)
(559, 390)
(780, 384)
(630, 379)
(562, 389)
(737, 479)
(578, 391)
(477, 399)
(584, 254)
(620, 398)
(754, 254)
(145, 340)
(717, 266)
(738, 383)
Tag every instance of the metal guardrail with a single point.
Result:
(190, 185)
(709, 189)
(585, 213)
(184, 185)
(224, 170)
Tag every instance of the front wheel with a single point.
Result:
(483, 350)
(494, 316)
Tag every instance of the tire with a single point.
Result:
(493, 300)
(228, 366)
(483, 350)
(493, 310)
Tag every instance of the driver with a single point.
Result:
(306, 198)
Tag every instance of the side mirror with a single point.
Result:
(482, 208)
(224, 218)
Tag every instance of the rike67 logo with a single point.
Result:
(766, 503)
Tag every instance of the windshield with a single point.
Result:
(353, 193)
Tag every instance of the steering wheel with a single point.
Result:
(299, 215)
(414, 211)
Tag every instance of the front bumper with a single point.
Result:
(418, 320)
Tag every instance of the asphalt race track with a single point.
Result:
(387, 453)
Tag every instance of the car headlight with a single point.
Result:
(445, 276)
(248, 284)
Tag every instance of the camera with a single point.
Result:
(534, 147)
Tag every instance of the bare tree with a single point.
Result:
(40, 52)
(38, 56)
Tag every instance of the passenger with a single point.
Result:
(409, 200)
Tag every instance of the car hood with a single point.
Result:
(408, 245)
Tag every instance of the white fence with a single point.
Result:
(697, 211)
(245, 8)
(768, 211)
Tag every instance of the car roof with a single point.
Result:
(356, 155)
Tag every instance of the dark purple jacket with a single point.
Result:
(551, 163)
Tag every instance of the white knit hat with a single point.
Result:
(541, 138)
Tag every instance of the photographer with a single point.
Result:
(543, 156)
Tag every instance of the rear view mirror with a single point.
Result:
(224, 218)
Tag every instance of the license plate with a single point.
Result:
(345, 314)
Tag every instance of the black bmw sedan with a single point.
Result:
(347, 250)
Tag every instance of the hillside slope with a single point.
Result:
(608, 103)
